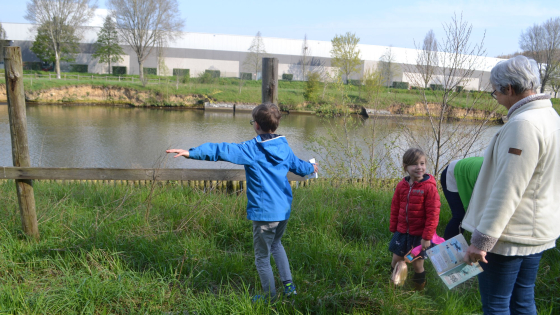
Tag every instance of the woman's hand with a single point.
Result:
(179, 152)
(474, 254)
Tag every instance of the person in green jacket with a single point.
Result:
(457, 181)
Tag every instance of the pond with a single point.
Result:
(124, 137)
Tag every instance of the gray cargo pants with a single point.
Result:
(266, 240)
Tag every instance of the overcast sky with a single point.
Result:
(385, 23)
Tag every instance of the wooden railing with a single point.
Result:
(21, 173)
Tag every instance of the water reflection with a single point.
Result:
(119, 137)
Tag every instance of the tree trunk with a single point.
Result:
(109, 64)
(141, 70)
(57, 65)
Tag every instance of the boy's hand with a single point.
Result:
(179, 152)
(425, 243)
(315, 168)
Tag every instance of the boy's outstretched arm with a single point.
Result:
(302, 168)
(180, 152)
(229, 152)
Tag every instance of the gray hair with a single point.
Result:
(520, 72)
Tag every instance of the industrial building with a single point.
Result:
(200, 51)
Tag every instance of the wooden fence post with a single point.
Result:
(18, 130)
(270, 80)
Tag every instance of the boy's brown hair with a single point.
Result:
(411, 156)
(268, 116)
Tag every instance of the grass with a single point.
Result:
(290, 93)
(107, 250)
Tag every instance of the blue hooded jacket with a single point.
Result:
(267, 159)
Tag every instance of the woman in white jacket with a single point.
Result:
(514, 212)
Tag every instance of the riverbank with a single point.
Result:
(174, 250)
(97, 90)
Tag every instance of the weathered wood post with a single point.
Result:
(18, 130)
(270, 80)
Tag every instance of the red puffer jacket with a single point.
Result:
(415, 208)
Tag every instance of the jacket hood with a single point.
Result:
(427, 180)
(275, 147)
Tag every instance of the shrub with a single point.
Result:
(181, 72)
(213, 73)
(150, 71)
(287, 76)
(311, 89)
(29, 65)
(205, 77)
(400, 85)
(459, 89)
(355, 82)
(246, 76)
(79, 68)
(436, 87)
(119, 70)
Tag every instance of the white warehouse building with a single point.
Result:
(201, 51)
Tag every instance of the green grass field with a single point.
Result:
(130, 250)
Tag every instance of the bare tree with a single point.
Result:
(555, 81)
(427, 59)
(542, 43)
(60, 17)
(345, 54)
(307, 64)
(162, 67)
(142, 24)
(372, 83)
(305, 53)
(454, 68)
(388, 66)
(257, 51)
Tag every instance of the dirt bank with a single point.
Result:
(106, 95)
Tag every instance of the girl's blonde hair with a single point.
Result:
(411, 157)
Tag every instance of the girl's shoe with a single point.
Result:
(289, 289)
(419, 286)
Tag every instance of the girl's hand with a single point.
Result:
(179, 152)
(315, 168)
(425, 244)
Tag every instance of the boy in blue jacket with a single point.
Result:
(267, 159)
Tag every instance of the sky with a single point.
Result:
(384, 23)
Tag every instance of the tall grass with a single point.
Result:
(102, 252)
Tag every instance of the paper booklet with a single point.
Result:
(447, 259)
(312, 175)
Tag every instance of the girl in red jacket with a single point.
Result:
(414, 213)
